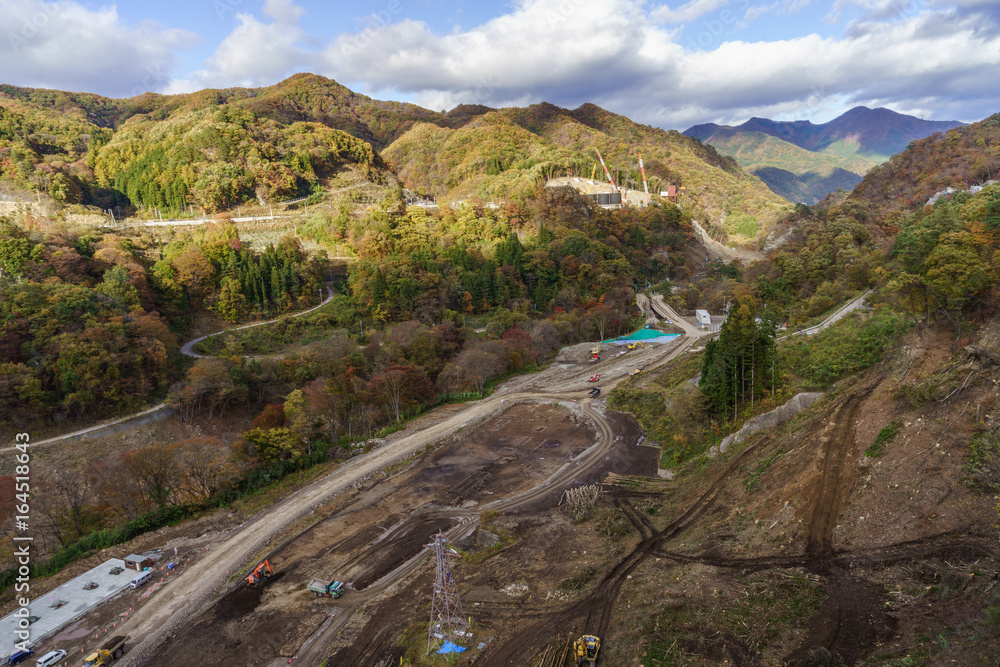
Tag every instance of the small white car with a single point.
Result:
(51, 658)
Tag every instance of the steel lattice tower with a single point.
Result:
(448, 622)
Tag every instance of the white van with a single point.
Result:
(51, 658)
(140, 579)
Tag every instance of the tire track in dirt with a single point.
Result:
(593, 613)
(831, 487)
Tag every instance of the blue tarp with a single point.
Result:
(645, 335)
(451, 648)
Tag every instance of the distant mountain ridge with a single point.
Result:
(853, 142)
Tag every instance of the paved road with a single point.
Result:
(186, 350)
(838, 315)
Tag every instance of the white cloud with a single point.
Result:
(687, 12)
(255, 53)
(543, 45)
(65, 45)
(283, 11)
(615, 53)
(629, 65)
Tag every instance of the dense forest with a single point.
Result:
(89, 323)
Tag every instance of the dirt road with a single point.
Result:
(194, 588)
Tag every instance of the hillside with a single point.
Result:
(794, 173)
(853, 142)
(960, 158)
(220, 148)
(503, 154)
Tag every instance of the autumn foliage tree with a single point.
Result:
(400, 387)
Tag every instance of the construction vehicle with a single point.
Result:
(585, 650)
(330, 589)
(595, 354)
(595, 392)
(636, 371)
(595, 377)
(260, 573)
(632, 346)
(110, 651)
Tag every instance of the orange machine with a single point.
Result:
(259, 573)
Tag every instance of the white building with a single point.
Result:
(704, 319)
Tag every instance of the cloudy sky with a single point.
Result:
(668, 64)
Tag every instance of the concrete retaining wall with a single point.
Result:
(781, 414)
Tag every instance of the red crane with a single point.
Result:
(644, 185)
(614, 188)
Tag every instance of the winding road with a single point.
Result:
(186, 350)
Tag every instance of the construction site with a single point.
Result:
(536, 527)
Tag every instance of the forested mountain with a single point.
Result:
(960, 158)
(219, 148)
(820, 157)
(502, 154)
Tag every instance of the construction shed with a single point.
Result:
(139, 563)
(704, 319)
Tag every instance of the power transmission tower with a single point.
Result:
(448, 622)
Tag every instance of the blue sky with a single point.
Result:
(667, 64)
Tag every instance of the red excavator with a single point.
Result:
(260, 573)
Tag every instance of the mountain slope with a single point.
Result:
(218, 148)
(854, 142)
(506, 153)
(877, 132)
(960, 158)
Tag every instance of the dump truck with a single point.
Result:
(585, 650)
(110, 651)
(595, 392)
(636, 371)
(330, 589)
(260, 573)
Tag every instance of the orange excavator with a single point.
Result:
(260, 573)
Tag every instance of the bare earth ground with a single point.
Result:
(793, 548)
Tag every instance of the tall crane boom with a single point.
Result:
(644, 185)
(614, 188)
